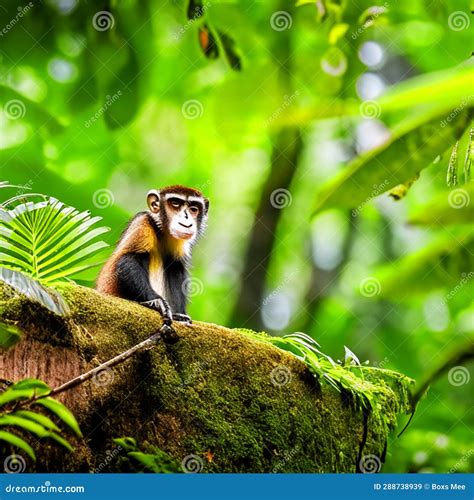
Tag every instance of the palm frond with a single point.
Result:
(343, 379)
(48, 240)
(34, 290)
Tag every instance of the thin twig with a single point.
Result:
(120, 358)
(142, 346)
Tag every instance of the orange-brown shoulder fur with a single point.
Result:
(139, 237)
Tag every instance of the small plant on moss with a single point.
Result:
(45, 243)
(324, 367)
(156, 460)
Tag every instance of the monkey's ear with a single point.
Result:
(153, 201)
(206, 205)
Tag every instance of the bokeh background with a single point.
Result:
(265, 106)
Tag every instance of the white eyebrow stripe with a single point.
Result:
(172, 195)
(195, 198)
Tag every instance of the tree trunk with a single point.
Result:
(273, 200)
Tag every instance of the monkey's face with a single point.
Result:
(183, 217)
(182, 212)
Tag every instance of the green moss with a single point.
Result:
(214, 394)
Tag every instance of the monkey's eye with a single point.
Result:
(175, 203)
(194, 210)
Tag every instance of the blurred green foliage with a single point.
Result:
(99, 104)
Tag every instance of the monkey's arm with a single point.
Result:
(133, 283)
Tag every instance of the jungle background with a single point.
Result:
(296, 120)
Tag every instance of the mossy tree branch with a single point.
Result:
(214, 394)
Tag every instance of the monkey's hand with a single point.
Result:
(168, 334)
(160, 305)
(182, 318)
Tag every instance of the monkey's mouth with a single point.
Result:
(182, 231)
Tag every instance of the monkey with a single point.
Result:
(150, 264)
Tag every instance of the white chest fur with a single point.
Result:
(157, 276)
(157, 281)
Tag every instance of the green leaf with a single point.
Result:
(60, 440)
(25, 424)
(9, 335)
(14, 395)
(39, 418)
(404, 155)
(453, 206)
(337, 32)
(32, 383)
(61, 412)
(34, 290)
(16, 441)
(442, 91)
(49, 241)
(146, 460)
(195, 9)
(63, 268)
(446, 263)
(127, 443)
(433, 93)
(230, 51)
(24, 389)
